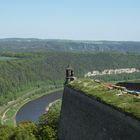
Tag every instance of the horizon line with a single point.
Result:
(65, 39)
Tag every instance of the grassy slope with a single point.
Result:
(126, 103)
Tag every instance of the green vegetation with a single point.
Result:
(46, 129)
(51, 118)
(9, 111)
(45, 45)
(3, 58)
(119, 77)
(126, 103)
(23, 74)
(36, 69)
(26, 76)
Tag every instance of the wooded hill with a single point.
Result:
(41, 45)
(33, 69)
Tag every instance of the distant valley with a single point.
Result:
(31, 68)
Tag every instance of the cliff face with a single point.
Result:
(112, 71)
(85, 118)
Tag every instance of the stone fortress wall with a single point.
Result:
(85, 118)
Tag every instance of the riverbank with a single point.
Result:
(8, 112)
(33, 110)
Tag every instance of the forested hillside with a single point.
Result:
(41, 45)
(33, 69)
(22, 71)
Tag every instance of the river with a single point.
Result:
(34, 109)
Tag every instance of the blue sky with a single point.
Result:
(71, 19)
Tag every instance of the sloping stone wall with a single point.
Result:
(85, 118)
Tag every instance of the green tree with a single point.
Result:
(25, 131)
(5, 132)
(47, 133)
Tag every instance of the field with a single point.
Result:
(4, 58)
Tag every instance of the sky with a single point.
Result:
(71, 19)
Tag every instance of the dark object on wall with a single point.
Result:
(130, 86)
(69, 74)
